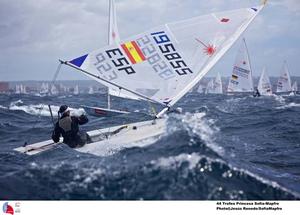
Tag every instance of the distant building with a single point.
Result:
(4, 87)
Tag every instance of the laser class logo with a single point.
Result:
(7, 209)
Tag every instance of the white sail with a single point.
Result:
(53, 90)
(113, 32)
(215, 86)
(209, 87)
(201, 89)
(218, 87)
(18, 89)
(284, 81)
(163, 64)
(76, 90)
(91, 90)
(44, 88)
(264, 84)
(241, 78)
(295, 87)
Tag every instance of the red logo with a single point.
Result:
(7, 209)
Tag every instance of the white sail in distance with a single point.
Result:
(163, 64)
(201, 89)
(241, 79)
(295, 87)
(264, 85)
(209, 87)
(218, 87)
(284, 81)
(76, 90)
(215, 86)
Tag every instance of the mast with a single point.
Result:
(248, 58)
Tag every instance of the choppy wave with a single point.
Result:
(39, 109)
(290, 105)
(222, 147)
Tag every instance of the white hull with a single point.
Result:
(109, 140)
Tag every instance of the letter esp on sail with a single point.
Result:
(161, 65)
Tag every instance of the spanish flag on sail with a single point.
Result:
(133, 52)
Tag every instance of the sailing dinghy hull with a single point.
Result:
(109, 140)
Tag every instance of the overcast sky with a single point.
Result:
(34, 34)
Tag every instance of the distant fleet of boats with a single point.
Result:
(46, 88)
(241, 79)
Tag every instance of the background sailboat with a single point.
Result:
(284, 81)
(264, 85)
(215, 86)
(241, 78)
(294, 88)
(76, 90)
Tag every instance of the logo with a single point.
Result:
(7, 209)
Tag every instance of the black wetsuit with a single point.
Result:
(257, 94)
(68, 127)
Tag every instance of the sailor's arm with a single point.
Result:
(56, 133)
(82, 119)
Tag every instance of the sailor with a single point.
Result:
(256, 94)
(68, 127)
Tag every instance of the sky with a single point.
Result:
(35, 34)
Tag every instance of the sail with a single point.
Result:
(53, 90)
(284, 81)
(113, 32)
(264, 84)
(163, 64)
(76, 90)
(215, 86)
(209, 87)
(201, 89)
(218, 87)
(295, 87)
(241, 78)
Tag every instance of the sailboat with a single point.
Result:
(160, 65)
(44, 89)
(201, 89)
(113, 39)
(53, 90)
(20, 89)
(264, 85)
(284, 82)
(76, 90)
(215, 86)
(294, 88)
(241, 78)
